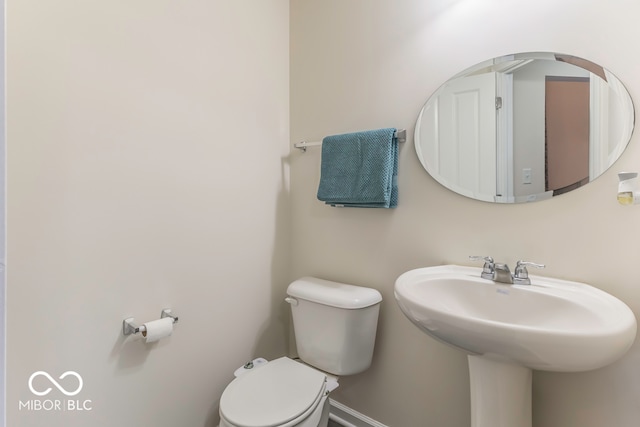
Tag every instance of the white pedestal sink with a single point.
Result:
(508, 330)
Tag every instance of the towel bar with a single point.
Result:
(400, 135)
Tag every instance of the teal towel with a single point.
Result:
(360, 169)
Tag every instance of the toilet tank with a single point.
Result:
(335, 324)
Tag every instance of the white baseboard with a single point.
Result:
(347, 417)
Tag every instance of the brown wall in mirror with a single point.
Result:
(566, 132)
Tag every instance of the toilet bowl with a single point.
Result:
(281, 393)
(335, 328)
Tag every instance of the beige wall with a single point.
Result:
(366, 64)
(145, 170)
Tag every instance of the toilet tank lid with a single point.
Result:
(334, 294)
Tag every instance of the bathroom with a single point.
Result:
(150, 165)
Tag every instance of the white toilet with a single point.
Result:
(335, 328)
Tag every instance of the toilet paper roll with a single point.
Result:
(158, 329)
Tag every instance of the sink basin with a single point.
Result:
(508, 330)
(552, 325)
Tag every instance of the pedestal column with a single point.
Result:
(500, 393)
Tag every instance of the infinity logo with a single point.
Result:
(55, 383)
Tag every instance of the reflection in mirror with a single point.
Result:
(524, 127)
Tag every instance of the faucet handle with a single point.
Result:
(521, 275)
(488, 269)
(481, 258)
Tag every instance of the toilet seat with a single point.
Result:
(279, 393)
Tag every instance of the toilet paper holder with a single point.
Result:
(129, 327)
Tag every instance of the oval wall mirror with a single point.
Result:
(524, 127)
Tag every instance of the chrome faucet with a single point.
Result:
(501, 273)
